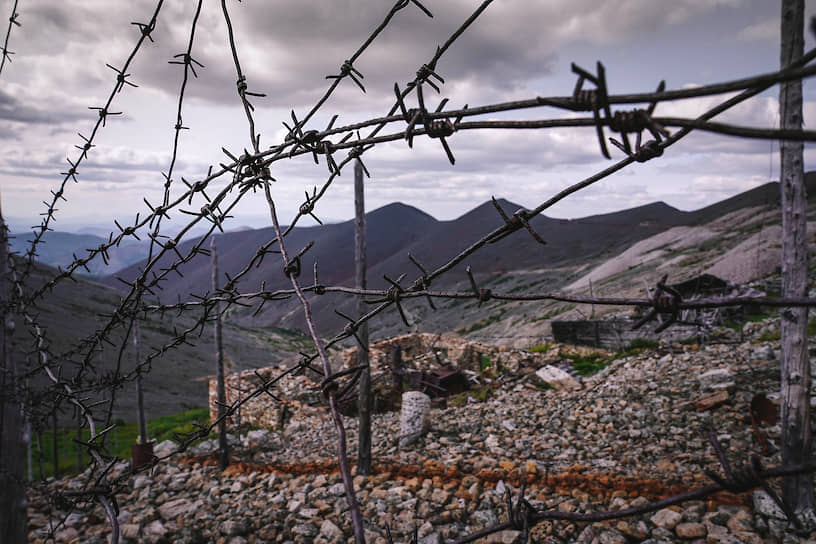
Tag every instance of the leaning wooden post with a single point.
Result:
(223, 447)
(797, 490)
(12, 444)
(364, 441)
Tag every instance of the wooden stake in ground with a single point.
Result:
(364, 442)
(12, 446)
(223, 447)
(140, 413)
(797, 491)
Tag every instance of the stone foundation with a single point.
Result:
(419, 352)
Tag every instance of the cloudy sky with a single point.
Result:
(516, 49)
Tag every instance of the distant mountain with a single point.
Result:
(393, 232)
(57, 249)
(397, 230)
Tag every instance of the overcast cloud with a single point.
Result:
(514, 50)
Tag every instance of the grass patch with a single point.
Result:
(119, 441)
(541, 348)
(587, 365)
(637, 346)
(481, 323)
(771, 336)
(480, 394)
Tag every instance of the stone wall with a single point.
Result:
(615, 334)
(423, 351)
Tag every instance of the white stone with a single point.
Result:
(155, 528)
(330, 531)
(164, 448)
(175, 508)
(666, 518)
(414, 417)
(715, 376)
(556, 378)
(765, 505)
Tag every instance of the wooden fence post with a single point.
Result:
(797, 490)
(12, 444)
(140, 412)
(223, 446)
(364, 441)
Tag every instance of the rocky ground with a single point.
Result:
(633, 433)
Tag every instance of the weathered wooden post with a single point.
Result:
(364, 442)
(12, 445)
(797, 490)
(223, 447)
(141, 453)
(55, 441)
(79, 439)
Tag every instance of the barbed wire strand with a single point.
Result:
(6, 54)
(251, 171)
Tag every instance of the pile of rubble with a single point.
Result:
(630, 434)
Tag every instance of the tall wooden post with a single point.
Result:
(12, 444)
(55, 442)
(221, 392)
(795, 368)
(140, 412)
(364, 442)
(79, 438)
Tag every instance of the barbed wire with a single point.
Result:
(522, 515)
(251, 172)
(6, 54)
(145, 30)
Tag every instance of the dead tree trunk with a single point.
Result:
(12, 445)
(795, 368)
(140, 413)
(364, 442)
(223, 447)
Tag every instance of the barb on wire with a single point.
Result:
(666, 299)
(104, 112)
(6, 54)
(518, 220)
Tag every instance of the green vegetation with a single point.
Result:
(481, 323)
(484, 363)
(637, 346)
(770, 336)
(587, 365)
(541, 348)
(119, 441)
(811, 328)
(479, 394)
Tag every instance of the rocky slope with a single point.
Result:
(632, 433)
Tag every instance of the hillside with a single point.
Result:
(636, 432)
(60, 249)
(394, 232)
(736, 239)
(177, 380)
